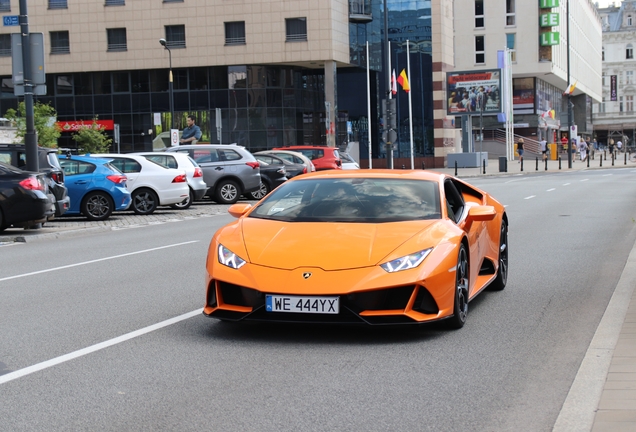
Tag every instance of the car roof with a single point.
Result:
(85, 159)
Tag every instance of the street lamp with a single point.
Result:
(165, 45)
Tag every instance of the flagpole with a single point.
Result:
(408, 76)
(369, 105)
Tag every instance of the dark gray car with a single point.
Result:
(229, 170)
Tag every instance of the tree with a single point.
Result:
(44, 116)
(92, 139)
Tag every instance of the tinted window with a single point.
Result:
(126, 165)
(312, 153)
(229, 155)
(163, 160)
(5, 157)
(72, 167)
(370, 200)
(203, 156)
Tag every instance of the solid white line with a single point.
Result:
(96, 260)
(91, 349)
(530, 197)
(550, 190)
(607, 175)
(566, 184)
(584, 180)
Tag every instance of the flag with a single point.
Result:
(404, 81)
(570, 89)
(548, 114)
(393, 83)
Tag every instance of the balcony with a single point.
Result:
(360, 11)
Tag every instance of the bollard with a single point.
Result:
(521, 164)
(601, 163)
(483, 162)
(612, 158)
(559, 162)
(625, 157)
(423, 165)
(604, 155)
(546, 164)
(537, 167)
(455, 168)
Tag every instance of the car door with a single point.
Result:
(78, 179)
(211, 164)
(127, 166)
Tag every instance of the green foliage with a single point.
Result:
(44, 116)
(92, 139)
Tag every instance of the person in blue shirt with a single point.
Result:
(192, 133)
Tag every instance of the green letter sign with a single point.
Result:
(550, 38)
(548, 4)
(550, 20)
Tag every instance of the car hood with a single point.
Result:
(331, 246)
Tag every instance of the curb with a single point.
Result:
(21, 238)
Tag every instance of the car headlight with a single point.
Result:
(229, 258)
(406, 262)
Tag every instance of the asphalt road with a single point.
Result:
(85, 341)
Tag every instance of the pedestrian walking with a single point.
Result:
(564, 144)
(619, 146)
(544, 148)
(520, 149)
(611, 146)
(583, 151)
(192, 133)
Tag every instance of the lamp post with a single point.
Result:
(165, 45)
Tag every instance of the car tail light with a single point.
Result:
(304, 170)
(117, 178)
(254, 165)
(338, 162)
(179, 179)
(198, 172)
(32, 183)
(58, 177)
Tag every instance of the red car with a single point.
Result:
(323, 158)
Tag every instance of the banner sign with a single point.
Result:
(75, 125)
(465, 92)
(613, 96)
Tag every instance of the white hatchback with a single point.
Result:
(149, 183)
(193, 171)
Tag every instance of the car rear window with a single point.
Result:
(312, 153)
(362, 200)
(229, 155)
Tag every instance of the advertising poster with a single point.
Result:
(470, 91)
(613, 96)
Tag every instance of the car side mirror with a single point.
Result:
(238, 210)
(481, 213)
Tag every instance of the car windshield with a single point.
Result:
(356, 199)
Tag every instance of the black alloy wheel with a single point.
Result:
(261, 192)
(144, 202)
(97, 206)
(502, 273)
(460, 310)
(186, 203)
(227, 192)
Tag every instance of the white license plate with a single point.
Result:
(298, 304)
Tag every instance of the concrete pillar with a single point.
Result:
(331, 100)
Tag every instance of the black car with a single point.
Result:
(15, 154)
(23, 198)
(271, 177)
(293, 168)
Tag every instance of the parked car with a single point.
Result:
(95, 186)
(348, 163)
(15, 154)
(229, 170)
(292, 156)
(150, 184)
(194, 174)
(324, 158)
(23, 198)
(272, 176)
(293, 169)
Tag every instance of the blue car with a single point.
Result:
(95, 186)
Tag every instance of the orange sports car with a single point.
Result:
(365, 247)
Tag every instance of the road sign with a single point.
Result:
(10, 20)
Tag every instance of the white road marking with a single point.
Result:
(530, 197)
(566, 184)
(584, 180)
(96, 260)
(11, 244)
(607, 175)
(91, 349)
(550, 190)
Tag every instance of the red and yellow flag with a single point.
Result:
(404, 81)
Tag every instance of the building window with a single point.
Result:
(5, 5)
(479, 13)
(601, 106)
(60, 42)
(175, 36)
(629, 52)
(512, 46)
(114, 2)
(510, 12)
(235, 33)
(5, 45)
(116, 39)
(603, 54)
(629, 20)
(629, 77)
(480, 51)
(620, 103)
(58, 4)
(296, 29)
(629, 103)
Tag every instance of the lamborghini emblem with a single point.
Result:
(306, 275)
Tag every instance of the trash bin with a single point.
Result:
(503, 164)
